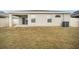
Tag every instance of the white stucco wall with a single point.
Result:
(16, 21)
(74, 22)
(41, 19)
(4, 22)
(66, 17)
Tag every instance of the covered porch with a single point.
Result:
(17, 20)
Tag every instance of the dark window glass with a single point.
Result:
(23, 20)
(49, 20)
(33, 20)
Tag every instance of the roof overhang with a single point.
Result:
(38, 12)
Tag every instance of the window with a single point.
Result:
(57, 16)
(49, 20)
(33, 20)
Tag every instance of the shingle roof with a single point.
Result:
(76, 13)
(3, 14)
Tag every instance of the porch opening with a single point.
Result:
(25, 20)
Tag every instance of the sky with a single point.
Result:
(39, 4)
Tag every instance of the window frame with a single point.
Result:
(49, 20)
(33, 20)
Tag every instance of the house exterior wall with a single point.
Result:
(74, 22)
(16, 21)
(41, 19)
(66, 17)
(4, 22)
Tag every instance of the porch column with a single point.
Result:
(10, 20)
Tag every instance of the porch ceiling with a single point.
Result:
(21, 15)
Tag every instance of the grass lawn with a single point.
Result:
(39, 37)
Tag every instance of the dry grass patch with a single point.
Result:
(39, 37)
